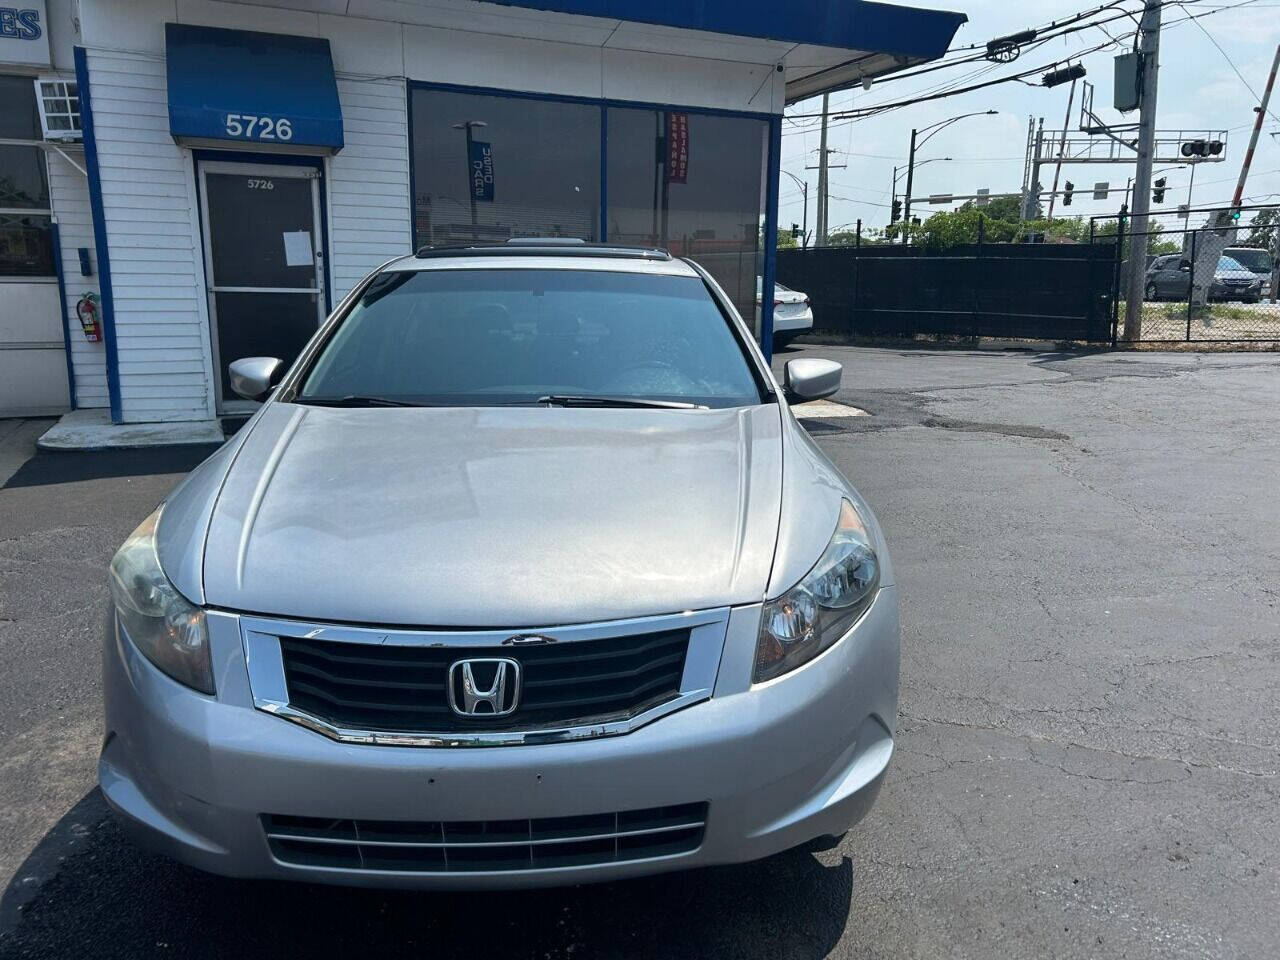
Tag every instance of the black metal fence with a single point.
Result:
(1202, 282)
(1060, 292)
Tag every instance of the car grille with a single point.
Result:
(403, 688)
(472, 846)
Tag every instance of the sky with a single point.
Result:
(1198, 90)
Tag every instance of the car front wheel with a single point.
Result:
(1151, 292)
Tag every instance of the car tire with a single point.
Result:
(781, 340)
(1152, 293)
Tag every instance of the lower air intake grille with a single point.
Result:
(474, 846)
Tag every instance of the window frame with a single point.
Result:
(604, 103)
(71, 91)
(43, 212)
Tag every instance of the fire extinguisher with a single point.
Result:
(87, 311)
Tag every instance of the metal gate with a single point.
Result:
(1037, 291)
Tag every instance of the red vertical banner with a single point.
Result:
(677, 148)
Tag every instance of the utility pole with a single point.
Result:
(906, 200)
(1036, 148)
(822, 175)
(1149, 47)
(824, 193)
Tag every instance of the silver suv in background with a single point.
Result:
(523, 574)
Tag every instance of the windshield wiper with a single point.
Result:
(572, 400)
(354, 400)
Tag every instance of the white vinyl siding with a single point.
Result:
(157, 271)
(69, 197)
(368, 182)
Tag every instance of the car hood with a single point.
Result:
(495, 517)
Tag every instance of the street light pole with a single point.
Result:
(804, 189)
(932, 131)
(906, 205)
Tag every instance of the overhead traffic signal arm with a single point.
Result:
(1202, 148)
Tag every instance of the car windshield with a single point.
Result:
(480, 337)
(1256, 260)
(1226, 263)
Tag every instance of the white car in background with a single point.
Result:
(792, 313)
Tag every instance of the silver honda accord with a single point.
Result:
(522, 574)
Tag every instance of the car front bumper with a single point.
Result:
(778, 763)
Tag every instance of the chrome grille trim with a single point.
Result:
(511, 846)
(261, 642)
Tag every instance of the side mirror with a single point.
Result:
(809, 378)
(253, 377)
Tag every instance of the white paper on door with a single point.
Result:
(297, 249)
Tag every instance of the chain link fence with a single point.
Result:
(1218, 281)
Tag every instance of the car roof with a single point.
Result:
(546, 254)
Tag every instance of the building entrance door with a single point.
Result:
(263, 263)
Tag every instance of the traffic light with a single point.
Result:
(1235, 215)
(1057, 77)
(1066, 193)
(795, 231)
(895, 214)
(1202, 148)
(1157, 194)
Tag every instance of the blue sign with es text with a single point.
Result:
(24, 36)
(480, 169)
(19, 24)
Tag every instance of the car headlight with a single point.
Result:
(168, 629)
(821, 608)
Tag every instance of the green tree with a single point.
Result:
(843, 238)
(998, 208)
(1264, 231)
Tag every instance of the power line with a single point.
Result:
(850, 116)
(1230, 62)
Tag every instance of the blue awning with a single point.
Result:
(862, 25)
(239, 86)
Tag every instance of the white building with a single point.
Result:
(218, 175)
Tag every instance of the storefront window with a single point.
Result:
(692, 183)
(26, 232)
(490, 168)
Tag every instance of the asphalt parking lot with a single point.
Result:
(1089, 747)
